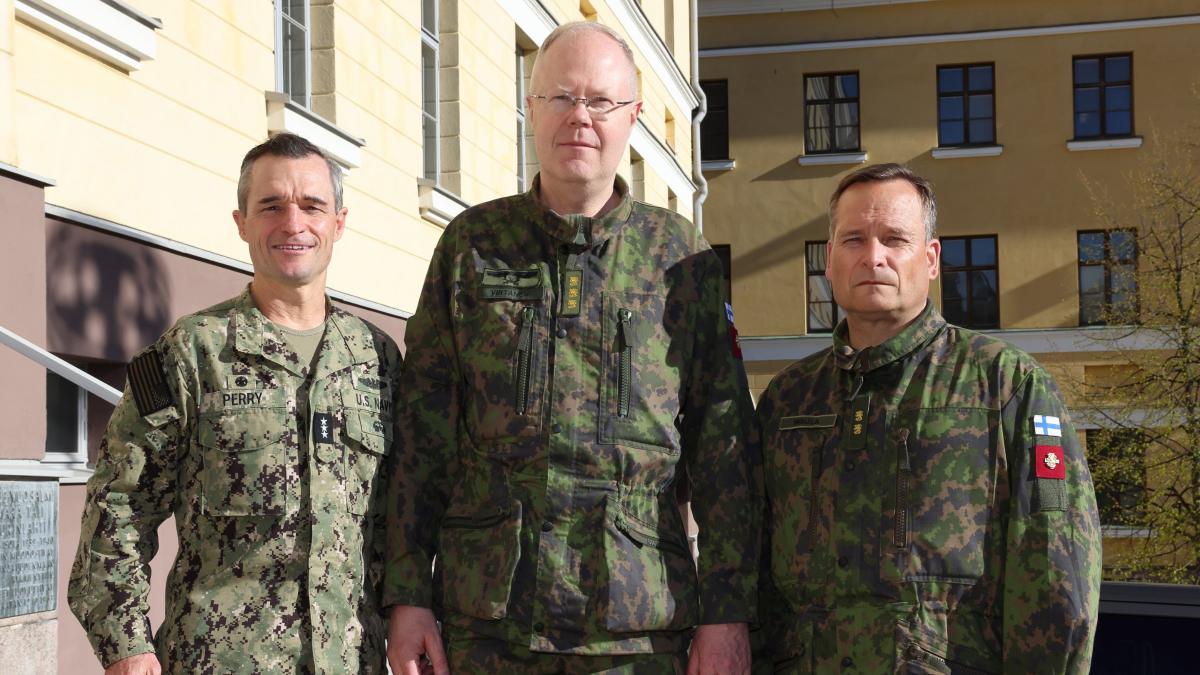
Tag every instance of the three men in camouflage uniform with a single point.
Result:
(263, 426)
(569, 363)
(929, 507)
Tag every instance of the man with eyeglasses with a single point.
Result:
(570, 364)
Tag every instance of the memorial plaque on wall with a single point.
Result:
(28, 546)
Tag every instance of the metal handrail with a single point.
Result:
(59, 367)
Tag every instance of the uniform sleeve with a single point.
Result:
(722, 455)
(132, 491)
(427, 428)
(1052, 572)
(388, 471)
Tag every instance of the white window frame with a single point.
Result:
(430, 40)
(80, 454)
(109, 30)
(522, 157)
(281, 58)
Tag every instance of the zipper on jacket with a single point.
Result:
(903, 483)
(625, 370)
(524, 357)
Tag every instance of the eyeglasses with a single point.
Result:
(597, 106)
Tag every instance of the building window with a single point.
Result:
(1103, 96)
(1118, 459)
(966, 105)
(970, 295)
(66, 420)
(1107, 276)
(293, 50)
(831, 113)
(714, 128)
(522, 128)
(429, 88)
(823, 312)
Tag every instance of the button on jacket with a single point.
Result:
(562, 374)
(275, 498)
(930, 511)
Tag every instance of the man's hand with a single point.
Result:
(413, 633)
(140, 664)
(720, 649)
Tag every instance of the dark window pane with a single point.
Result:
(983, 251)
(716, 92)
(1087, 71)
(981, 131)
(847, 86)
(980, 78)
(816, 88)
(1087, 99)
(980, 105)
(1116, 69)
(954, 252)
(950, 108)
(1123, 244)
(62, 414)
(1123, 279)
(1090, 307)
(821, 309)
(429, 15)
(983, 285)
(817, 140)
(954, 297)
(1091, 280)
(1091, 247)
(1117, 98)
(817, 116)
(845, 113)
(847, 138)
(1119, 122)
(1087, 124)
(814, 257)
(951, 133)
(984, 305)
(714, 135)
(295, 10)
(950, 80)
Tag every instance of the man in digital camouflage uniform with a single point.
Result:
(262, 425)
(929, 507)
(570, 361)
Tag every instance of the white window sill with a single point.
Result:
(110, 30)
(71, 473)
(718, 165)
(835, 158)
(1124, 531)
(437, 205)
(284, 115)
(1106, 144)
(973, 151)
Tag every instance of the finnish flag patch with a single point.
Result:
(1047, 425)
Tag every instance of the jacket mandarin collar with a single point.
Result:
(913, 336)
(566, 228)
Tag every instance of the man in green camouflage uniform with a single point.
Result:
(929, 507)
(569, 363)
(262, 425)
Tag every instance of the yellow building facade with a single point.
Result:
(1021, 113)
(122, 126)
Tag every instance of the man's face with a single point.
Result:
(290, 222)
(879, 263)
(575, 148)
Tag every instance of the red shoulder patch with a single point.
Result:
(1050, 462)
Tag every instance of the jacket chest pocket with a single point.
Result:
(249, 460)
(504, 358)
(944, 491)
(641, 383)
(368, 440)
(794, 456)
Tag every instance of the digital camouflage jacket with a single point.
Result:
(929, 511)
(277, 512)
(564, 373)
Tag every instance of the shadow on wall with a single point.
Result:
(104, 301)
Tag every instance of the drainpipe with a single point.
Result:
(701, 192)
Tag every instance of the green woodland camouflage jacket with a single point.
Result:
(563, 373)
(279, 521)
(929, 511)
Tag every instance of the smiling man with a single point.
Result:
(262, 425)
(929, 506)
(569, 365)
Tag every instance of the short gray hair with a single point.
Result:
(292, 146)
(578, 27)
(878, 173)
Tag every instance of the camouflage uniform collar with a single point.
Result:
(576, 229)
(255, 334)
(913, 336)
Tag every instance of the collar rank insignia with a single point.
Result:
(1047, 425)
(1050, 462)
